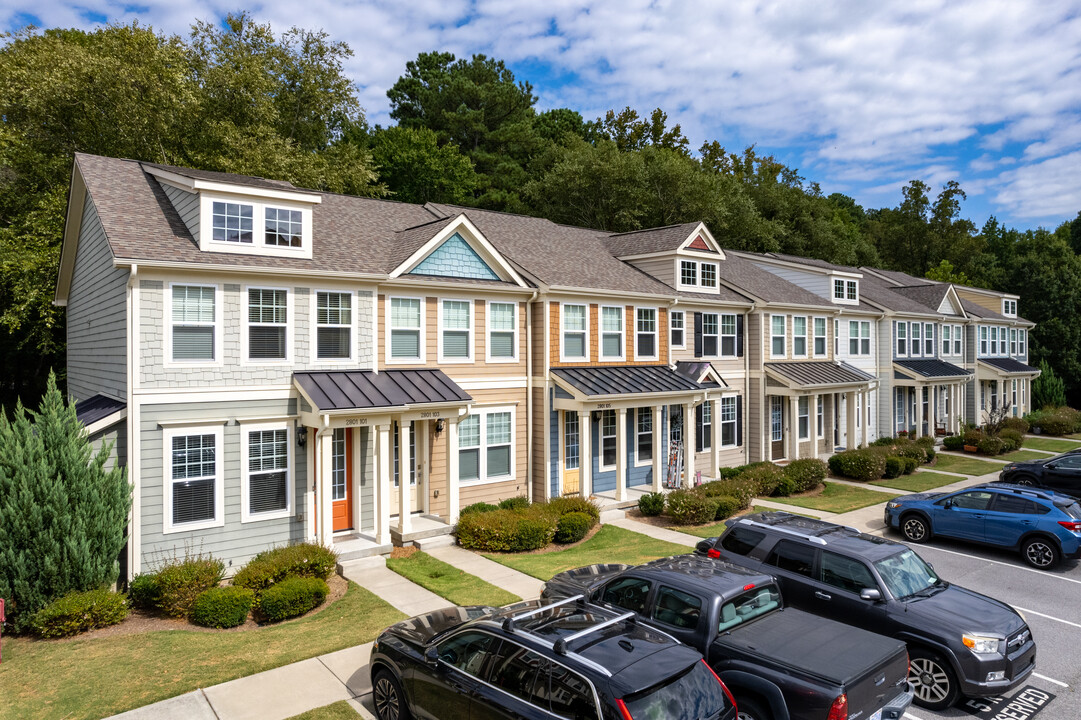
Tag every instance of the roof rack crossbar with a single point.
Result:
(573, 655)
(560, 645)
(508, 623)
(777, 528)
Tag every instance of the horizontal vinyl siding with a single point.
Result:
(117, 437)
(629, 326)
(662, 268)
(186, 205)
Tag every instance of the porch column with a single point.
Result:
(453, 501)
(715, 446)
(585, 459)
(793, 428)
(850, 418)
(658, 449)
(812, 411)
(865, 422)
(951, 416)
(689, 430)
(404, 463)
(382, 482)
(424, 474)
(621, 454)
(326, 508)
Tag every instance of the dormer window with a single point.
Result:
(838, 289)
(688, 272)
(1009, 308)
(695, 274)
(232, 222)
(266, 226)
(846, 292)
(709, 275)
(284, 227)
(850, 290)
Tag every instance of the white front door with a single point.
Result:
(410, 463)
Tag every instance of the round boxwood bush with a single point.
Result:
(806, 474)
(144, 592)
(915, 451)
(222, 607)
(480, 507)
(741, 488)
(292, 597)
(911, 464)
(651, 504)
(766, 476)
(690, 508)
(1020, 425)
(894, 467)
(572, 527)
(520, 502)
(953, 442)
(182, 581)
(1012, 439)
(508, 530)
(273, 566)
(991, 445)
(572, 503)
(864, 464)
(78, 612)
(727, 506)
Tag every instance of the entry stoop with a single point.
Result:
(356, 547)
(424, 527)
(436, 541)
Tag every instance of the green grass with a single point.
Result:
(1020, 455)
(918, 482)
(447, 581)
(715, 529)
(1056, 445)
(965, 465)
(97, 677)
(340, 710)
(839, 498)
(611, 544)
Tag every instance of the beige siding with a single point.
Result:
(662, 268)
(629, 314)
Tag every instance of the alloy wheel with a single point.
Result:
(915, 529)
(930, 681)
(387, 705)
(1039, 554)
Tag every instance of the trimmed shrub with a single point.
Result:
(572, 503)
(927, 441)
(913, 450)
(1012, 439)
(884, 442)
(973, 437)
(894, 467)
(144, 592)
(727, 473)
(651, 504)
(292, 597)
(78, 612)
(481, 507)
(991, 445)
(222, 607)
(181, 582)
(572, 527)
(766, 477)
(690, 508)
(953, 442)
(931, 453)
(1017, 424)
(864, 464)
(806, 474)
(519, 502)
(273, 566)
(743, 489)
(507, 530)
(727, 506)
(911, 464)
(1057, 421)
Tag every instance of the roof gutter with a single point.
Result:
(246, 269)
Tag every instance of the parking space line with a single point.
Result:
(1049, 617)
(1042, 573)
(910, 716)
(1050, 680)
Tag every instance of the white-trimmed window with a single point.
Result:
(333, 325)
(1013, 341)
(645, 345)
(728, 336)
(284, 227)
(1009, 308)
(339, 474)
(899, 407)
(260, 226)
(688, 272)
(194, 497)
(820, 418)
(859, 410)
(410, 458)
(994, 341)
(851, 290)
(710, 334)
(929, 339)
(193, 323)
(266, 490)
(608, 439)
(803, 407)
(917, 339)
(947, 340)
(643, 445)
(838, 289)
(728, 422)
(902, 339)
(799, 336)
(575, 334)
(865, 337)
(859, 337)
(455, 331)
(703, 421)
(502, 331)
(612, 332)
(983, 340)
(819, 346)
(406, 321)
(776, 335)
(956, 339)
(267, 336)
(1021, 342)
(708, 274)
(1003, 341)
(678, 329)
(486, 446)
(1024, 382)
(232, 222)
(836, 338)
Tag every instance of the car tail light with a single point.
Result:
(839, 709)
(723, 686)
(713, 553)
(623, 711)
(1071, 525)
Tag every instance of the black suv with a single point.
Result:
(959, 642)
(1061, 473)
(533, 660)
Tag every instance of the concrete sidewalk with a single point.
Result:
(372, 574)
(657, 533)
(522, 585)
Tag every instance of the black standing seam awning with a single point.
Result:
(1009, 366)
(384, 390)
(822, 373)
(627, 380)
(931, 369)
(96, 408)
(698, 371)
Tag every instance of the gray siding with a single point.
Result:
(234, 542)
(186, 205)
(96, 316)
(117, 436)
(812, 282)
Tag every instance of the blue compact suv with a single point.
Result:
(1042, 525)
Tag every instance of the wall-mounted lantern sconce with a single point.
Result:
(302, 434)
(439, 425)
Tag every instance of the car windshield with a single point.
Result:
(694, 694)
(906, 574)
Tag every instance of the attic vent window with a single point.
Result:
(232, 222)
(284, 228)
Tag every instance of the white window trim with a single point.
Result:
(656, 333)
(601, 467)
(721, 335)
(1022, 345)
(933, 341)
(314, 358)
(247, 324)
(219, 308)
(854, 337)
(807, 337)
(638, 412)
(422, 343)
(945, 345)
(482, 460)
(820, 418)
(716, 335)
(245, 471)
(843, 299)
(218, 431)
(683, 328)
(897, 339)
(1009, 307)
(982, 334)
(488, 332)
(258, 244)
(680, 262)
(869, 338)
(958, 341)
(471, 343)
(1013, 341)
(702, 435)
(773, 335)
(825, 337)
(915, 347)
(562, 333)
(734, 421)
(805, 402)
(701, 284)
(622, 333)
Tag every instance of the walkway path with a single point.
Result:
(522, 585)
(372, 574)
(653, 531)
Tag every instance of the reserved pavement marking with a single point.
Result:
(1050, 680)
(1049, 617)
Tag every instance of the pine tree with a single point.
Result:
(1048, 390)
(62, 514)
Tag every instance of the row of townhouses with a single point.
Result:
(276, 364)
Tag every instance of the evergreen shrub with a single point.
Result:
(1012, 439)
(727, 506)
(572, 527)
(573, 503)
(766, 478)
(953, 442)
(222, 607)
(991, 445)
(862, 464)
(480, 507)
(690, 508)
(911, 464)
(651, 504)
(182, 581)
(1016, 423)
(273, 566)
(292, 598)
(78, 612)
(894, 467)
(803, 475)
(519, 502)
(144, 592)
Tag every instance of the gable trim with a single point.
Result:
(701, 231)
(69, 247)
(193, 185)
(474, 238)
(955, 301)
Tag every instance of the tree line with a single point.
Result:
(237, 97)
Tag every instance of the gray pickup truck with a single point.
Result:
(779, 663)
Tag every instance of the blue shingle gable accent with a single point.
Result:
(455, 258)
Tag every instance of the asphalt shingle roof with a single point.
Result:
(652, 240)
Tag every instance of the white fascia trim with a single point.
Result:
(107, 421)
(194, 185)
(245, 269)
(164, 396)
(194, 422)
(701, 229)
(471, 234)
(245, 478)
(501, 383)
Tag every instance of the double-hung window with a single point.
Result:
(838, 289)
(502, 331)
(777, 339)
(194, 323)
(708, 275)
(688, 272)
(677, 327)
(917, 340)
(608, 439)
(334, 325)
(728, 335)
(799, 336)
(1013, 341)
(703, 431)
(899, 407)
(646, 340)
(820, 417)
(859, 337)
(455, 330)
(193, 479)
(268, 316)
(803, 412)
(851, 292)
(983, 340)
(643, 435)
(728, 421)
(710, 334)
(820, 337)
(865, 337)
(956, 339)
(836, 338)
(1021, 343)
(405, 329)
(994, 341)
(946, 340)
(266, 465)
(929, 339)
(486, 446)
(902, 339)
(575, 327)
(612, 332)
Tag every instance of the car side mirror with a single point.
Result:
(870, 594)
(950, 505)
(431, 655)
(1050, 466)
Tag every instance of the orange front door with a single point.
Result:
(341, 479)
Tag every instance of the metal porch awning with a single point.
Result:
(931, 371)
(356, 391)
(1005, 368)
(818, 375)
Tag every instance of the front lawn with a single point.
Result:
(340, 710)
(1055, 445)
(839, 498)
(611, 544)
(97, 677)
(1022, 455)
(447, 581)
(965, 465)
(918, 482)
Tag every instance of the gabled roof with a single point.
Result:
(761, 284)
(368, 390)
(650, 240)
(702, 372)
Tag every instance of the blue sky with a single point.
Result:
(861, 97)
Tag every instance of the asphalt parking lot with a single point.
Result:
(1049, 602)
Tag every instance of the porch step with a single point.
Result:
(361, 564)
(357, 548)
(436, 541)
(423, 527)
(613, 513)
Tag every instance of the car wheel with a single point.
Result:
(933, 681)
(915, 528)
(1040, 553)
(751, 710)
(1024, 480)
(388, 697)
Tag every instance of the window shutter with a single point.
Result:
(698, 334)
(698, 428)
(739, 420)
(739, 336)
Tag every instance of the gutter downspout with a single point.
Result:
(747, 386)
(529, 394)
(132, 427)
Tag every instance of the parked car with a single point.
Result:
(959, 642)
(778, 662)
(1042, 525)
(534, 660)
(1061, 473)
